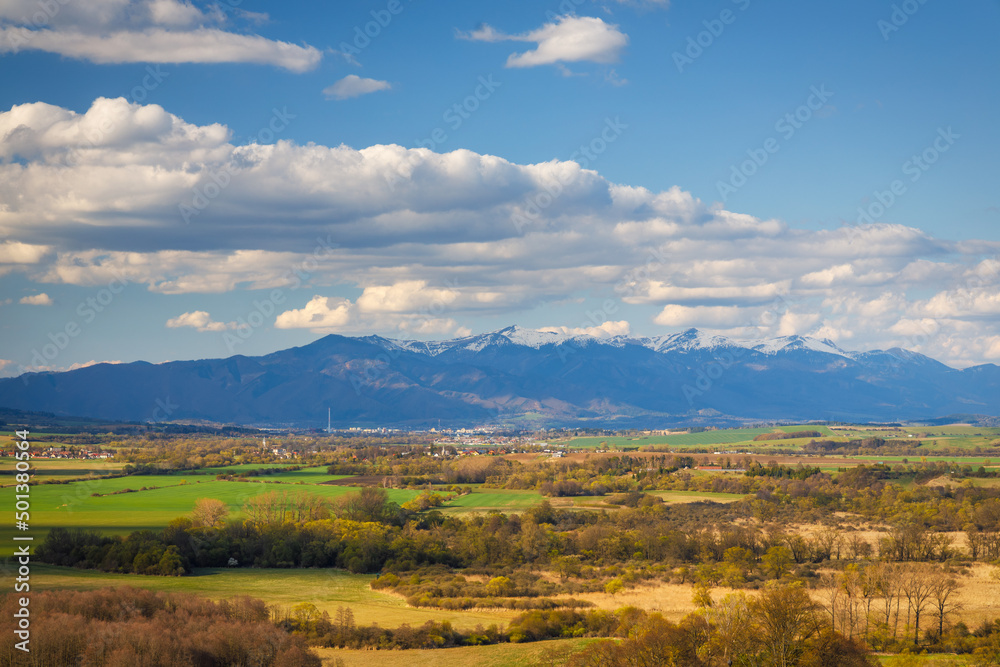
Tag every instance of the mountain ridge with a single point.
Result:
(524, 376)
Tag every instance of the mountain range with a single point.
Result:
(522, 376)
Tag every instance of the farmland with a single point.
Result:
(933, 437)
(603, 529)
(552, 652)
(327, 589)
(118, 506)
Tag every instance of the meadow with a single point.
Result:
(486, 499)
(47, 470)
(553, 652)
(327, 589)
(155, 500)
(932, 437)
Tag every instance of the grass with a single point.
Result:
(974, 461)
(696, 496)
(59, 469)
(74, 505)
(553, 652)
(706, 438)
(501, 500)
(327, 589)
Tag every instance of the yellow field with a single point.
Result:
(327, 589)
(552, 652)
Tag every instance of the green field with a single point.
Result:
(703, 439)
(167, 497)
(486, 500)
(327, 589)
(313, 475)
(931, 437)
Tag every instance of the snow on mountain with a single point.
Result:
(533, 337)
(775, 345)
(692, 339)
(684, 341)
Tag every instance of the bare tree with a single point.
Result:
(733, 635)
(918, 589)
(943, 588)
(887, 581)
(858, 547)
(830, 582)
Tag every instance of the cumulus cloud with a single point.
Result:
(713, 317)
(608, 329)
(198, 319)
(353, 85)
(792, 323)
(12, 252)
(415, 242)
(321, 313)
(567, 39)
(339, 315)
(42, 299)
(153, 31)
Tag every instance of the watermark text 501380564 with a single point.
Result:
(22, 552)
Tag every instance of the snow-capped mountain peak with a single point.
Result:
(683, 341)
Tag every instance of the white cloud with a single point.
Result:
(404, 296)
(655, 291)
(174, 13)
(792, 323)
(567, 39)
(421, 241)
(12, 252)
(321, 313)
(353, 85)
(828, 276)
(42, 299)
(198, 319)
(606, 330)
(713, 317)
(338, 315)
(157, 45)
(153, 31)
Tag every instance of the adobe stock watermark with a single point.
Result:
(164, 409)
(364, 34)
(699, 43)
(203, 194)
(722, 362)
(627, 286)
(900, 16)
(915, 167)
(263, 310)
(378, 367)
(455, 116)
(22, 35)
(962, 299)
(533, 206)
(107, 123)
(87, 310)
(786, 127)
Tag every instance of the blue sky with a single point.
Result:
(239, 178)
